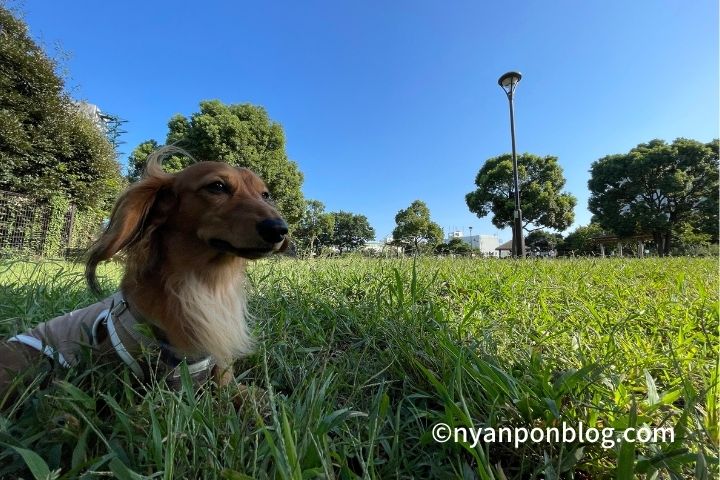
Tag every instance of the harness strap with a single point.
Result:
(120, 347)
(198, 370)
(120, 307)
(37, 344)
(120, 312)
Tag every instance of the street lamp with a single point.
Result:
(508, 82)
(471, 242)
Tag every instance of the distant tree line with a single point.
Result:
(319, 232)
(666, 191)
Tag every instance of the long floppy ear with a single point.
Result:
(128, 217)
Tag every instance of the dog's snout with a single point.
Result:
(272, 230)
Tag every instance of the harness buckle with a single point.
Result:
(119, 308)
(199, 373)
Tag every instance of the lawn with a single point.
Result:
(362, 357)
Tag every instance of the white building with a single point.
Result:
(382, 247)
(484, 245)
(93, 112)
(374, 245)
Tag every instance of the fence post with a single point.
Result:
(71, 226)
(58, 208)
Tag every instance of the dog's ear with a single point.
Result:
(129, 217)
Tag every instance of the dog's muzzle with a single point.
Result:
(272, 230)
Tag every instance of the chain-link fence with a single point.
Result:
(49, 228)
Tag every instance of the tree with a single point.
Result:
(689, 240)
(114, 130)
(351, 231)
(48, 146)
(239, 134)
(314, 225)
(541, 241)
(541, 200)
(655, 188)
(455, 246)
(414, 227)
(580, 241)
(138, 159)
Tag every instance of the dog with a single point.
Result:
(186, 239)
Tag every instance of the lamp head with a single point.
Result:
(509, 81)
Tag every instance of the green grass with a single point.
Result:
(362, 357)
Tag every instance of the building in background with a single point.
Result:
(484, 245)
(92, 112)
(110, 125)
(505, 250)
(384, 247)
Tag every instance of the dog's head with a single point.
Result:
(205, 212)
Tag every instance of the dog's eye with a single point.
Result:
(217, 187)
(266, 195)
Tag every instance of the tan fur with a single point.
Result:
(185, 245)
(216, 314)
(193, 292)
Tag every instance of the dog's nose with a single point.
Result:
(272, 230)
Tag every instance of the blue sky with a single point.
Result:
(384, 103)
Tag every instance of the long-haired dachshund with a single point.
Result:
(186, 239)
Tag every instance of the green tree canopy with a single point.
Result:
(350, 232)
(414, 227)
(688, 240)
(239, 134)
(455, 246)
(542, 201)
(138, 159)
(657, 188)
(47, 145)
(543, 241)
(314, 225)
(579, 241)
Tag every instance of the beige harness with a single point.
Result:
(63, 339)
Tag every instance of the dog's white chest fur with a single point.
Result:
(215, 317)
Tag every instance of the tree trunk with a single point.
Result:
(659, 243)
(668, 238)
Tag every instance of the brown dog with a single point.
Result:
(186, 238)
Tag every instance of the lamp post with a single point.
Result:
(471, 242)
(508, 82)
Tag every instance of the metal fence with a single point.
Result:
(31, 226)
